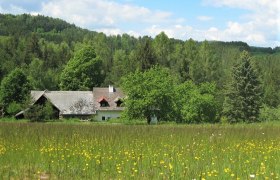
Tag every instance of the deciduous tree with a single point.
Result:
(150, 93)
(197, 103)
(83, 71)
(14, 88)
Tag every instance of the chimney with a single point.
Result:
(111, 89)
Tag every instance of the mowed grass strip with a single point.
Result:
(65, 151)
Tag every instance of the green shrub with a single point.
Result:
(14, 108)
(270, 114)
(40, 113)
(35, 113)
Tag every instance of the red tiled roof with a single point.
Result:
(101, 94)
(102, 99)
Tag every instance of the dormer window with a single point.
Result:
(103, 102)
(118, 101)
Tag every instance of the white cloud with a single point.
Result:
(110, 31)
(101, 13)
(261, 25)
(175, 31)
(237, 32)
(204, 18)
(12, 9)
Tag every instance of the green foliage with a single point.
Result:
(243, 96)
(40, 112)
(269, 113)
(42, 47)
(48, 111)
(35, 113)
(197, 104)
(270, 70)
(14, 88)
(149, 93)
(14, 108)
(156, 92)
(145, 55)
(120, 67)
(83, 71)
(162, 47)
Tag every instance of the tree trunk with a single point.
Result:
(149, 119)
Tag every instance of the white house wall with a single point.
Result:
(106, 115)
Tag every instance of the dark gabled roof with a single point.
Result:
(110, 97)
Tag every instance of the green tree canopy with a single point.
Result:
(197, 103)
(83, 71)
(162, 47)
(120, 67)
(243, 95)
(145, 54)
(15, 88)
(150, 93)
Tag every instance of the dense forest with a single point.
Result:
(48, 50)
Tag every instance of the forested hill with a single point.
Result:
(41, 46)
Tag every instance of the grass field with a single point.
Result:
(75, 151)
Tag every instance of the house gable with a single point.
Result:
(112, 96)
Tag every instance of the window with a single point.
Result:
(104, 104)
(103, 118)
(119, 103)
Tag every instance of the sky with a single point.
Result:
(256, 22)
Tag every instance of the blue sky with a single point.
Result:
(256, 22)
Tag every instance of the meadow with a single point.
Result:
(96, 151)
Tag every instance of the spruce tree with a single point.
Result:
(243, 95)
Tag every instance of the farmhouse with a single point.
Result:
(100, 103)
(108, 103)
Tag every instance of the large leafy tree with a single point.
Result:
(197, 103)
(83, 71)
(14, 88)
(150, 93)
(243, 95)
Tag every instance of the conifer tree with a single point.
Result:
(243, 94)
(145, 54)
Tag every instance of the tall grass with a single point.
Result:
(71, 151)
